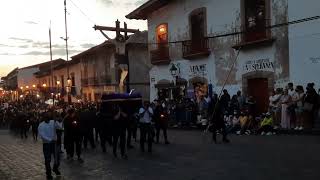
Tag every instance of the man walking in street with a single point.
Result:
(47, 132)
(161, 121)
(119, 131)
(146, 114)
(72, 133)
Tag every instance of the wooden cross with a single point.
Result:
(118, 30)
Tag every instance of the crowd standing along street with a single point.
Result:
(248, 75)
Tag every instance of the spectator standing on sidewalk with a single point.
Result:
(285, 100)
(47, 132)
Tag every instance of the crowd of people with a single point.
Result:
(72, 127)
(289, 108)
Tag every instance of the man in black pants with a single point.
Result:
(161, 121)
(217, 122)
(72, 135)
(119, 131)
(104, 128)
(87, 117)
(47, 131)
(146, 114)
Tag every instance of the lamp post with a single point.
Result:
(174, 74)
(44, 85)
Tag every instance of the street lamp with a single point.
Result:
(27, 87)
(44, 85)
(69, 90)
(58, 82)
(34, 86)
(174, 73)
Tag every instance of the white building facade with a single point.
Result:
(253, 56)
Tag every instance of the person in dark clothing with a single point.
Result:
(224, 101)
(119, 131)
(23, 125)
(104, 117)
(161, 121)
(311, 104)
(217, 121)
(34, 126)
(234, 105)
(87, 117)
(72, 135)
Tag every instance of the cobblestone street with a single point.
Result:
(191, 156)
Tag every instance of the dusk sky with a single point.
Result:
(24, 38)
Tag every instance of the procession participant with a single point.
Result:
(119, 131)
(72, 135)
(34, 125)
(217, 121)
(146, 114)
(47, 132)
(87, 117)
(161, 121)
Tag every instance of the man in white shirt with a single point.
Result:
(47, 132)
(145, 114)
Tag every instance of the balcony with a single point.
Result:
(194, 49)
(160, 55)
(96, 81)
(93, 81)
(258, 35)
(84, 82)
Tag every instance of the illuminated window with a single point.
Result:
(162, 33)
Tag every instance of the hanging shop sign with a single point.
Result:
(259, 65)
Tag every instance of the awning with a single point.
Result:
(198, 80)
(163, 84)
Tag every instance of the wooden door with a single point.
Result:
(258, 89)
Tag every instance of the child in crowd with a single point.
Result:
(266, 126)
(245, 123)
(235, 123)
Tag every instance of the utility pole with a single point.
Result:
(51, 64)
(67, 53)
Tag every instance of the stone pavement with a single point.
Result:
(191, 156)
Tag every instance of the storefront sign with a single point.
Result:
(198, 70)
(259, 65)
(315, 60)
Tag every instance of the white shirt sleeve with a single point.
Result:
(141, 111)
(150, 110)
(58, 125)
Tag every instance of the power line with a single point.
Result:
(82, 12)
(243, 32)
